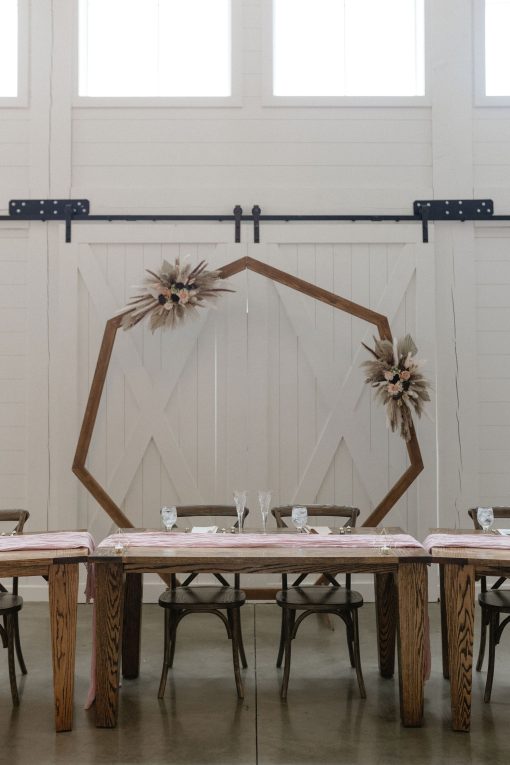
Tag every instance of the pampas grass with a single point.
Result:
(400, 386)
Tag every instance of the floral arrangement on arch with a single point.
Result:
(172, 294)
(401, 387)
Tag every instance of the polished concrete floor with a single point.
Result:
(201, 722)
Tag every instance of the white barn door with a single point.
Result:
(263, 391)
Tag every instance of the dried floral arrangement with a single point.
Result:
(401, 387)
(172, 294)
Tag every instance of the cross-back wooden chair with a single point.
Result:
(223, 600)
(493, 602)
(326, 599)
(10, 605)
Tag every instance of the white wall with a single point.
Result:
(320, 160)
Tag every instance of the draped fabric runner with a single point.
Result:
(486, 541)
(54, 540)
(48, 540)
(176, 539)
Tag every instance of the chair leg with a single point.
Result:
(9, 628)
(17, 643)
(350, 640)
(483, 633)
(289, 619)
(236, 627)
(240, 640)
(166, 656)
(493, 627)
(282, 640)
(357, 658)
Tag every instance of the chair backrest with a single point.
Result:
(344, 512)
(211, 511)
(350, 514)
(20, 517)
(499, 512)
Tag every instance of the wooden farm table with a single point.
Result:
(60, 568)
(401, 589)
(458, 568)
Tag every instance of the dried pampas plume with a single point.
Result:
(395, 373)
(172, 294)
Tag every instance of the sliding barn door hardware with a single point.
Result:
(424, 211)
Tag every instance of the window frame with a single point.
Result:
(269, 99)
(21, 100)
(236, 75)
(481, 99)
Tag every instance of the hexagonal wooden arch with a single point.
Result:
(103, 361)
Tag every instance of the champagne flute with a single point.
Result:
(169, 517)
(485, 517)
(240, 502)
(299, 517)
(264, 502)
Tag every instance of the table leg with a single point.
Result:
(444, 625)
(412, 604)
(386, 618)
(109, 603)
(131, 626)
(459, 587)
(63, 599)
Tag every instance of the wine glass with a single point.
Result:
(121, 542)
(240, 502)
(264, 502)
(299, 517)
(169, 517)
(485, 517)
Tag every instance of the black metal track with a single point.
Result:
(429, 211)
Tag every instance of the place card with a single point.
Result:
(204, 529)
(322, 530)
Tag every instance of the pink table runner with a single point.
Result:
(176, 539)
(485, 541)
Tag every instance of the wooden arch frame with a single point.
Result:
(300, 285)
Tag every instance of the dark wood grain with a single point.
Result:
(132, 625)
(386, 609)
(412, 605)
(109, 605)
(444, 626)
(459, 589)
(63, 599)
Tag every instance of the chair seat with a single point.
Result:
(10, 603)
(319, 598)
(499, 599)
(202, 597)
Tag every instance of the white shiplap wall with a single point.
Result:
(287, 160)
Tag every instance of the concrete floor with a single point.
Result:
(201, 722)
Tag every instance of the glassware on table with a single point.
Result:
(264, 502)
(485, 517)
(240, 502)
(385, 547)
(299, 517)
(122, 542)
(168, 517)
